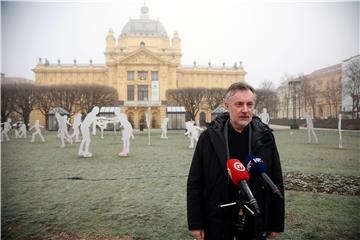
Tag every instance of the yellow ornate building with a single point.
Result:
(142, 64)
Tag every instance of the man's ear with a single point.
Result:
(226, 104)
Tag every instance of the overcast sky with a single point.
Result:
(270, 38)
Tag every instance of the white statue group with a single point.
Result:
(91, 119)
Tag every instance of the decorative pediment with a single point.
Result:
(142, 56)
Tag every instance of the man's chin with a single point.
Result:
(242, 123)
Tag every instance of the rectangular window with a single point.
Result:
(142, 92)
(130, 75)
(154, 76)
(130, 92)
(142, 75)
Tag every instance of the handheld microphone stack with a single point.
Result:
(256, 167)
(239, 176)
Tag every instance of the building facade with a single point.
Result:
(141, 64)
(317, 93)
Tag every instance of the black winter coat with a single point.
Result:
(208, 182)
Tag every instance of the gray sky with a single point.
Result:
(270, 38)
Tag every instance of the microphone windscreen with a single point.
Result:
(237, 171)
(255, 165)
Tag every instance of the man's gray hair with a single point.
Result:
(238, 86)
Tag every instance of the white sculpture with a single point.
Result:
(127, 130)
(310, 128)
(164, 128)
(102, 125)
(6, 129)
(16, 131)
(63, 132)
(22, 131)
(340, 133)
(85, 132)
(75, 126)
(37, 127)
(264, 116)
(192, 132)
(94, 128)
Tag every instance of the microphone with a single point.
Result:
(257, 167)
(239, 176)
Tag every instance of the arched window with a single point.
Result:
(154, 120)
(130, 116)
(142, 45)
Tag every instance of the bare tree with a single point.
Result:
(312, 99)
(25, 100)
(96, 95)
(45, 101)
(352, 85)
(190, 98)
(7, 100)
(266, 97)
(332, 95)
(304, 91)
(65, 96)
(214, 97)
(267, 84)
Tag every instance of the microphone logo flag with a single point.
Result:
(238, 166)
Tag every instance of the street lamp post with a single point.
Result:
(293, 89)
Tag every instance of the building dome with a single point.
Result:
(144, 26)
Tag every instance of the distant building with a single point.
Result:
(142, 64)
(318, 93)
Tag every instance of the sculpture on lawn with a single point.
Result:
(63, 131)
(127, 130)
(310, 128)
(85, 132)
(340, 133)
(264, 116)
(75, 126)
(37, 127)
(192, 132)
(164, 128)
(6, 129)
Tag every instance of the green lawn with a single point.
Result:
(144, 195)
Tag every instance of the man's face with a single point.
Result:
(240, 107)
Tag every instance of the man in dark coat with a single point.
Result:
(234, 134)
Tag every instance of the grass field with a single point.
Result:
(48, 191)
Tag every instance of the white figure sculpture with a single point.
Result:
(127, 130)
(6, 129)
(310, 128)
(264, 116)
(164, 128)
(63, 132)
(340, 133)
(37, 127)
(94, 128)
(102, 125)
(192, 132)
(85, 132)
(22, 131)
(16, 132)
(75, 126)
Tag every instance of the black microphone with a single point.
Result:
(257, 167)
(239, 176)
